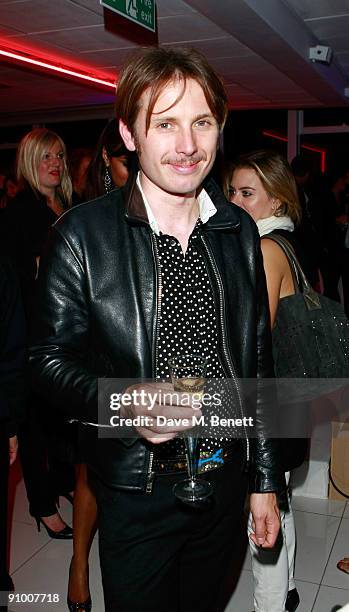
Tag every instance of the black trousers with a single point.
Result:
(4, 471)
(45, 476)
(159, 554)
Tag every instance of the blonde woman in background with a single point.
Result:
(45, 193)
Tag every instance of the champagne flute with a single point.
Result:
(188, 376)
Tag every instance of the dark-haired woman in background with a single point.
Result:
(110, 165)
(7, 195)
(45, 193)
(107, 171)
(263, 185)
(79, 161)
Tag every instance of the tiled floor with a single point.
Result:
(40, 565)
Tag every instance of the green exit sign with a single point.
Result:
(139, 11)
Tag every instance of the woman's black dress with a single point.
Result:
(46, 444)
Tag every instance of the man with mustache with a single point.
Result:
(162, 267)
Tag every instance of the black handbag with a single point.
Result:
(311, 333)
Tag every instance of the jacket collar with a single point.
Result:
(206, 208)
(226, 217)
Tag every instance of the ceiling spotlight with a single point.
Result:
(320, 53)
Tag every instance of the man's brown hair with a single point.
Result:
(154, 68)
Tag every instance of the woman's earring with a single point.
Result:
(108, 183)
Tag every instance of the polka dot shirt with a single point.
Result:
(188, 322)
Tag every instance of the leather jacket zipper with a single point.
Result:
(150, 473)
(228, 358)
(158, 303)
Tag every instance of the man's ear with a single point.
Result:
(126, 136)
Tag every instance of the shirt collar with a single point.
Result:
(206, 207)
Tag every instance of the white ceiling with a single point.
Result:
(260, 47)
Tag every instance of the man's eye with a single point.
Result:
(203, 123)
(165, 125)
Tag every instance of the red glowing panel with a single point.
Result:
(303, 146)
(276, 136)
(57, 68)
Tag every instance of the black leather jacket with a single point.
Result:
(99, 312)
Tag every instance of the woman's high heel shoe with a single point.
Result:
(75, 606)
(292, 601)
(64, 534)
(68, 497)
(343, 565)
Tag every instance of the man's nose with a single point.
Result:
(186, 142)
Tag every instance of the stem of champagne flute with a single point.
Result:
(191, 446)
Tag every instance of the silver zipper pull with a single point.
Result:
(150, 482)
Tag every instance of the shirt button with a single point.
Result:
(173, 243)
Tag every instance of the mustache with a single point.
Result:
(184, 160)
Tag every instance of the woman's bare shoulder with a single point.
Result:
(273, 253)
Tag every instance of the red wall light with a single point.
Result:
(322, 153)
(60, 69)
(303, 146)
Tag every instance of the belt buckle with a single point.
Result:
(180, 466)
(210, 461)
